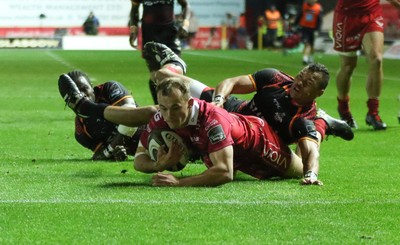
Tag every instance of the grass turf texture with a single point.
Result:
(51, 193)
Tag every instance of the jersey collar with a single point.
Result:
(194, 113)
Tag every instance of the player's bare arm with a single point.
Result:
(220, 173)
(133, 23)
(165, 72)
(234, 85)
(310, 157)
(115, 149)
(165, 159)
(129, 116)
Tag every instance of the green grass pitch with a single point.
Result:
(52, 193)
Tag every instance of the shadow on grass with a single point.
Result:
(147, 183)
(367, 130)
(126, 184)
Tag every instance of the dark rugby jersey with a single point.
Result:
(92, 132)
(157, 11)
(272, 102)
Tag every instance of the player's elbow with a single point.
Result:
(227, 177)
(142, 166)
(224, 177)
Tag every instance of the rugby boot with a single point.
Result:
(158, 54)
(375, 121)
(69, 92)
(336, 127)
(348, 118)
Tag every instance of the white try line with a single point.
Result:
(60, 60)
(202, 202)
(65, 63)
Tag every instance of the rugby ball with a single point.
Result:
(159, 137)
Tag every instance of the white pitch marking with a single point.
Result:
(60, 60)
(210, 202)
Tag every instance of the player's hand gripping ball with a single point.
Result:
(160, 137)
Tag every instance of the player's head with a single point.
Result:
(83, 82)
(309, 84)
(174, 101)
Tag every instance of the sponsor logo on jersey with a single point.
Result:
(275, 157)
(276, 103)
(339, 35)
(279, 116)
(211, 124)
(379, 22)
(216, 134)
(157, 116)
(155, 2)
(116, 93)
(194, 139)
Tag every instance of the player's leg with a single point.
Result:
(70, 92)
(196, 87)
(295, 168)
(157, 55)
(373, 47)
(327, 125)
(307, 50)
(348, 62)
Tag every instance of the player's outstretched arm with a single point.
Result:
(143, 162)
(234, 85)
(132, 117)
(220, 173)
(310, 158)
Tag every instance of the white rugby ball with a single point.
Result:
(159, 137)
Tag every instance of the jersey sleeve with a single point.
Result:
(82, 136)
(303, 128)
(155, 122)
(217, 132)
(264, 77)
(112, 92)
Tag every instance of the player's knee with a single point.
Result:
(167, 71)
(375, 59)
(348, 68)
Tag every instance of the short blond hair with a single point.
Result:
(166, 86)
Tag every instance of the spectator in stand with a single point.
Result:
(309, 22)
(91, 24)
(243, 38)
(230, 25)
(359, 25)
(272, 18)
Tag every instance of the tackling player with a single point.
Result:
(107, 140)
(279, 98)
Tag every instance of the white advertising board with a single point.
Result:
(115, 13)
